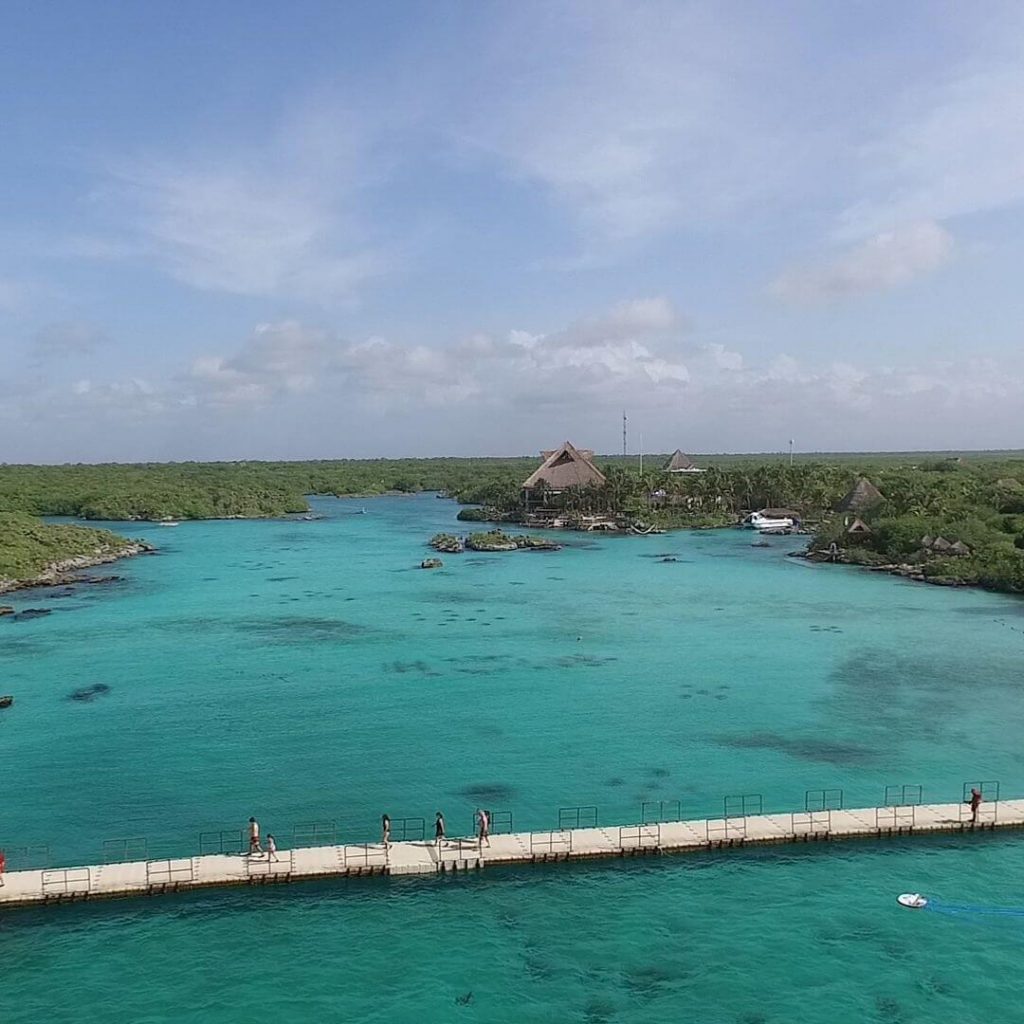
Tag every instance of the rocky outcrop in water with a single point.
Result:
(87, 693)
(431, 563)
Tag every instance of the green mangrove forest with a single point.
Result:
(933, 516)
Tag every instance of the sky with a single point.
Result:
(253, 230)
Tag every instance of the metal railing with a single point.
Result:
(988, 813)
(121, 851)
(989, 790)
(364, 855)
(500, 823)
(720, 830)
(903, 795)
(654, 811)
(742, 805)
(170, 872)
(823, 800)
(27, 858)
(547, 843)
(267, 867)
(66, 881)
(811, 823)
(644, 836)
(315, 833)
(405, 830)
(228, 840)
(895, 816)
(584, 816)
(459, 847)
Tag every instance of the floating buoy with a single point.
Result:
(912, 901)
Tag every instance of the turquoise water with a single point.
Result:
(306, 671)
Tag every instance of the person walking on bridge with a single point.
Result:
(483, 820)
(439, 829)
(271, 847)
(254, 837)
(385, 831)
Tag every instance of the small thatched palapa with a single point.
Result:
(680, 463)
(958, 547)
(858, 526)
(860, 497)
(941, 544)
(565, 467)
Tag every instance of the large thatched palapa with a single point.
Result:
(563, 468)
(681, 463)
(862, 496)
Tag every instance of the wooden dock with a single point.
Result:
(153, 877)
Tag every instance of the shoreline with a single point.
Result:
(56, 574)
(901, 570)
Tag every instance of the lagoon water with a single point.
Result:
(309, 671)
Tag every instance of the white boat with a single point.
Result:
(168, 522)
(759, 521)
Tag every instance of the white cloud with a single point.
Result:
(949, 147)
(222, 228)
(638, 120)
(888, 260)
(67, 338)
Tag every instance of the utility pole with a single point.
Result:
(791, 451)
(624, 452)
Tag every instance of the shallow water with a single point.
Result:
(307, 671)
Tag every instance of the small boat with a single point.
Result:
(759, 521)
(912, 900)
(168, 522)
(6, 702)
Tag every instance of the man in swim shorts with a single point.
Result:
(439, 829)
(254, 836)
(975, 803)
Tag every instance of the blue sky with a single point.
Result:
(252, 230)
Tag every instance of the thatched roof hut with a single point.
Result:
(941, 545)
(680, 463)
(860, 497)
(565, 467)
(858, 527)
(958, 547)
(927, 540)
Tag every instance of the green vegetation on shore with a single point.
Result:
(978, 501)
(29, 549)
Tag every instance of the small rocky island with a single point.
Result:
(492, 540)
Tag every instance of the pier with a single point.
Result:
(221, 861)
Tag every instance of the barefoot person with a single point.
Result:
(271, 847)
(439, 829)
(254, 837)
(483, 819)
(975, 803)
(385, 830)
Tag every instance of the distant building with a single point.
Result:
(561, 469)
(681, 463)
